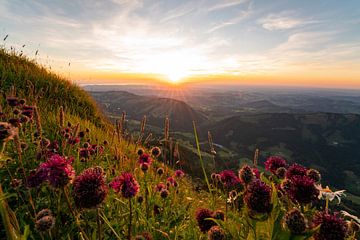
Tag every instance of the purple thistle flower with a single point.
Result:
(12, 101)
(274, 162)
(332, 227)
(216, 233)
(144, 167)
(58, 170)
(145, 158)
(201, 217)
(160, 186)
(179, 173)
(229, 179)
(303, 190)
(164, 193)
(90, 188)
(258, 197)
(156, 151)
(246, 174)
(296, 170)
(45, 223)
(126, 184)
(295, 221)
(36, 178)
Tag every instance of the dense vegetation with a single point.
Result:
(67, 174)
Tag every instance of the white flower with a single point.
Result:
(346, 214)
(326, 193)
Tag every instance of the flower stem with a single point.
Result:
(74, 214)
(98, 223)
(130, 220)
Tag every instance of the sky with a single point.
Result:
(252, 42)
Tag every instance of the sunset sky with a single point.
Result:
(253, 42)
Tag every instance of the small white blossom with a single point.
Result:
(326, 193)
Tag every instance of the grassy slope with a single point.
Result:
(49, 91)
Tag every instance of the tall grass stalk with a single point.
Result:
(200, 157)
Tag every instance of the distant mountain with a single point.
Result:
(326, 141)
(181, 114)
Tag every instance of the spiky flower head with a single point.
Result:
(156, 151)
(229, 179)
(295, 221)
(164, 193)
(274, 162)
(160, 186)
(160, 171)
(303, 190)
(246, 174)
(295, 170)
(140, 151)
(281, 172)
(145, 158)
(332, 227)
(125, 184)
(45, 223)
(144, 236)
(179, 173)
(219, 215)
(144, 167)
(44, 212)
(90, 188)
(258, 197)
(58, 170)
(44, 220)
(171, 182)
(202, 215)
(314, 175)
(216, 233)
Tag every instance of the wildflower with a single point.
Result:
(246, 174)
(303, 190)
(140, 199)
(157, 209)
(164, 193)
(43, 213)
(7, 132)
(28, 113)
(90, 188)
(274, 162)
(160, 171)
(160, 186)
(36, 178)
(12, 101)
(281, 172)
(296, 170)
(126, 184)
(140, 151)
(22, 101)
(326, 193)
(295, 221)
(144, 167)
(258, 197)
(332, 227)
(346, 214)
(45, 223)
(145, 158)
(156, 151)
(171, 182)
(219, 215)
(216, 233)
(314, 175)
(16, 111)
(229, 179)
(58, 170)
(179, 173)
(144, 236)
(202, 216)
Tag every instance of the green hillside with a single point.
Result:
(66, 173)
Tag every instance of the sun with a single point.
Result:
(176, 76)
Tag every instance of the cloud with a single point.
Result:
(282, 21)
(241, 16)
(225, 4)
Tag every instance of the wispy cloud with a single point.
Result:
(225, 4)
(241, 16)
(282, 21)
